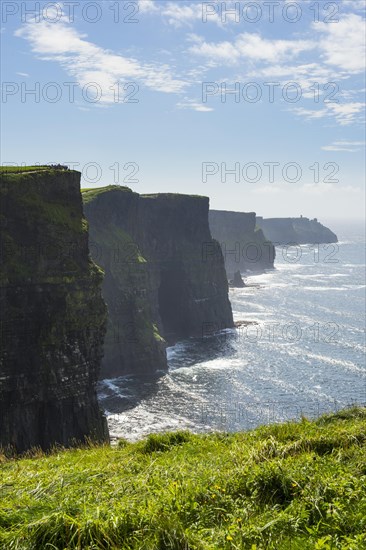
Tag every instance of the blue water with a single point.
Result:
(303, 351)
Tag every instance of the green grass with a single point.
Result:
(286, 486)
(19, 169)
(91, 193)
(178, 196)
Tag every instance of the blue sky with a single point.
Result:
(292, 134)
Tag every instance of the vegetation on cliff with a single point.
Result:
(164, 274)
(52, 316)
(289, 486)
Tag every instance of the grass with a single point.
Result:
(178, 196)
(286, 486)
(19, 169)
(90, 193)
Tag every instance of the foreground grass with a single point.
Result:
(289, 486)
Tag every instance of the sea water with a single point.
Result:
(300, 352)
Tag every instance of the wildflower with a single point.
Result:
(229, 537)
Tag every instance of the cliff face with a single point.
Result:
(283, 231)
(52, 314)
(193, 289)
(169, 281)
(133, 343)
(244, 247)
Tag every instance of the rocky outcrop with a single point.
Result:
(244, 247)
(283, 231)
(164, 274)
(52, 314)
(237, 281)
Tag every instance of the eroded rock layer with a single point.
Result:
(52, 314)
(164, 274)
(244, 246)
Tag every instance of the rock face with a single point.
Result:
(52, 314)
(237, 281)
(164, 274)
(244, 247)
(283, 231)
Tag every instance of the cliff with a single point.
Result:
(164, 274)
(244, 247)
(283, 231)
(52, 313)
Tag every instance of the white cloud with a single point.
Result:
(343, 43)
(180, 14)
(350, 142)
(357, 5)
(194, 105)
(251, 46)
(344, 114)
(89, 63)
(274, 61)
(148, 6)
(345, 146)
(338, 148)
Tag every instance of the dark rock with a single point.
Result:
(244, 247)
(169, 281)
(52, 315)
(237, 281)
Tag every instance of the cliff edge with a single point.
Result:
(52, 313)
(164, 274)
(283, 231)
(244, 246)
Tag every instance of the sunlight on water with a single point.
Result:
(304, 355)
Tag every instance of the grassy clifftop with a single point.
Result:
(289, 486)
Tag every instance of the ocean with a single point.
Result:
(301, 351)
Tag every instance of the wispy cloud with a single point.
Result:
(148, 6)
(193, 105)
(344, 114)
(89, 63)
(330, 55)
(181, 14)
(251, 47)
(345, 146)
(358, 5)
(343, 44)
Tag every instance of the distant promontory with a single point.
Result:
(282, 231)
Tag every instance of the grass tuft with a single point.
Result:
(291, 486)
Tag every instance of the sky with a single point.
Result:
(258, 105)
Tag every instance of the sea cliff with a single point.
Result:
(52, 313)
(164, 274)
(283, 231)
(244, 246)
